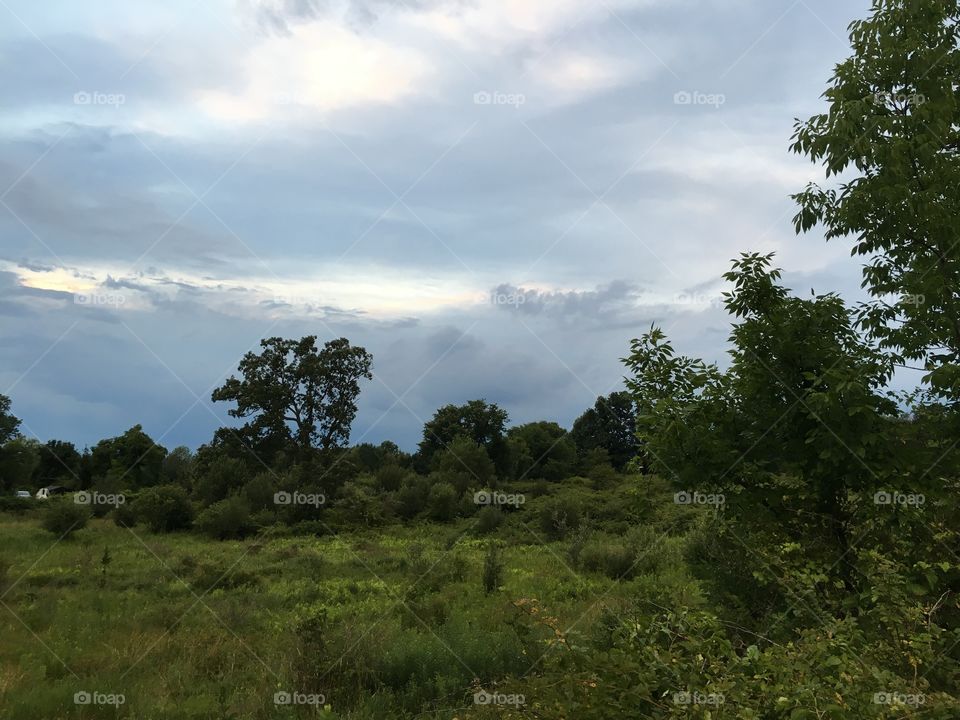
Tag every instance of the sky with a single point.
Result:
(491, 196)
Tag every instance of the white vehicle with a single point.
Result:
(48, 492)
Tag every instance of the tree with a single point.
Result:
(465, 464)
(19, 459)
(610, 425)
(131, 460)
(178, 467)
(542, 450)
(292, 384)
(8, 423)
(478, 420)
(794, 433)
(59, 465)
(893, 130)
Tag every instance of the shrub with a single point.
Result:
(125, 516)
(492, 568)
(64, 517)
(489, 519)
(558, 516)
(616, 561)
(442, 502)
(390, 477)
(226, 519)
(164, 508)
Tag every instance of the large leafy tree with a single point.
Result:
(794, 434)
(892, 130)
(542, 450)
(18, 462)
(608, 425)
(131, 460)
(59, 464)
(9, 424)
(478, 420)
(293, 390)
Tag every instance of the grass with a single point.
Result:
(392, 620)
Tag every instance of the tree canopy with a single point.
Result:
(295, 391)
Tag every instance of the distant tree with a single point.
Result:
(478, 420)
(542, 450)
(8, 423)
(891, 133)
(609, 424)
(292, 384)
(465, 464)
(59, 465)
(370, 458)
(164, 508)
(178, 467)
(131, 460)
(19, 459)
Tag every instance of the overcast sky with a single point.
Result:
(492, 196)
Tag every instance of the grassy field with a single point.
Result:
(381, 622)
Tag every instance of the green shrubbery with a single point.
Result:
(63, 516)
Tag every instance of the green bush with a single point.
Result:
(489, 519)
(442, 502)
(63, 517)
(124, 515)
(164, 508)
(558, 516)
(492, 568)
(616, 561)
(226, 519)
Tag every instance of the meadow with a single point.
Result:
(406, 619)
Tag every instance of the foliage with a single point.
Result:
(292, 382)
(609, 425)
(9, 423)
(542, 450)
(478, 420)
(63, 517)
(226, 519)
(164, 508)
(891, 129)
(19, 459)
(134, 459)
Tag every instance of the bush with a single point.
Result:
(226, 519)
(125, 516)
(164, 508)
(492, 568)
(558, 516)
(64, 517)
(489, 519)
(616, 561)
(442, 502)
